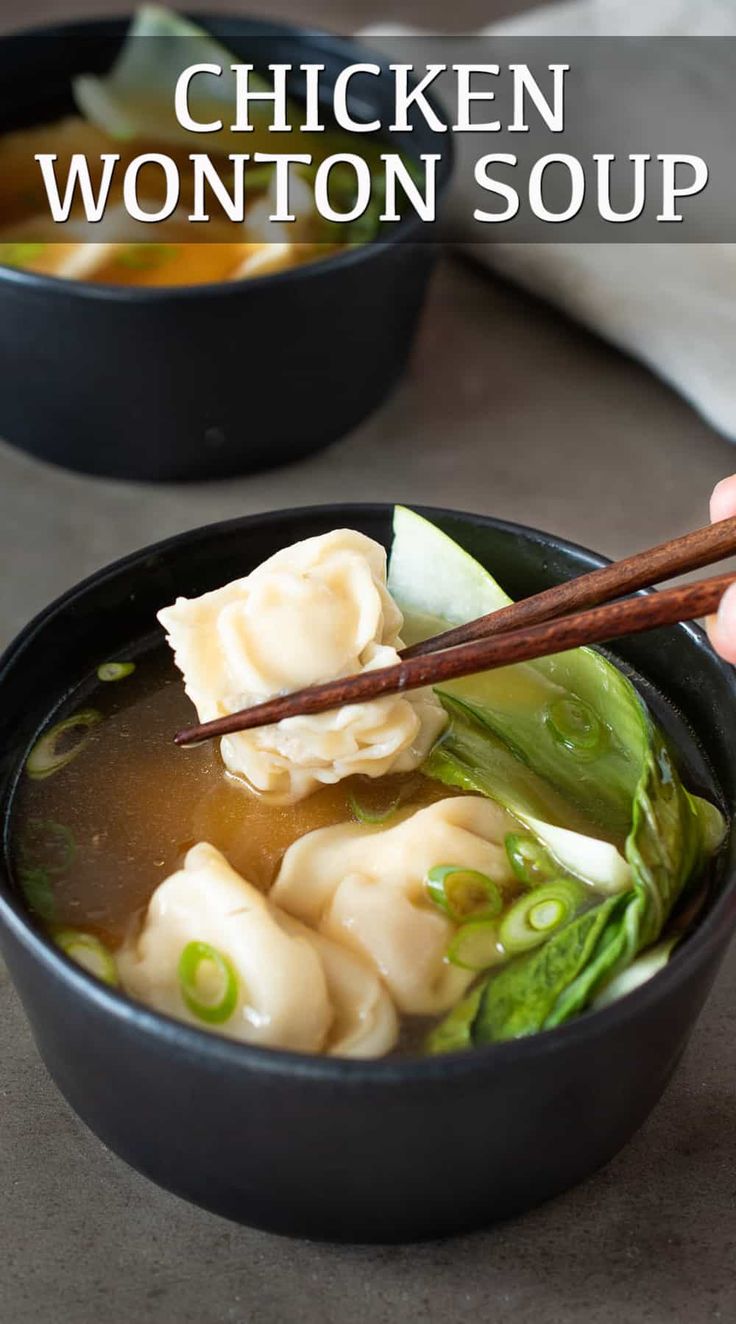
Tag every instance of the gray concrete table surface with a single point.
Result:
(506, 409)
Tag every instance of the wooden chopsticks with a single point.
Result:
(526, 631)
(678, 557)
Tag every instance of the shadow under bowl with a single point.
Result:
(213, 380)
(377, 1151)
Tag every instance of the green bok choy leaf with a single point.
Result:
(568, 747)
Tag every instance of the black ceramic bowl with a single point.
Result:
(319, 1147)
(209, 380)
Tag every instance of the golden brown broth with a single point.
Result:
(176, 264)
(135, 803)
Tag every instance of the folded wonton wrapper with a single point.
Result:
(313, 612)
(365, 887)
(296, 989)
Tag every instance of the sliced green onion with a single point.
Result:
(463, 894)
(115, 670)
(537, 914)
(46, 849)
(530, 862)
(47, 846)
(575, 726)
(364, 815)
(145, 257)
(19, 255)
(53, 751)
(88, 952)
(220, 1007)
(35, 885)
(476, 946)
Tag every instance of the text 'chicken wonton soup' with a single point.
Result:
(423, 872)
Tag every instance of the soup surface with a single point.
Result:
(131, 804)
(91, 843)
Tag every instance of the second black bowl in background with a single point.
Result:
(210, 380)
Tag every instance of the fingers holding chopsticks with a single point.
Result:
(723, 500)
(722, 627)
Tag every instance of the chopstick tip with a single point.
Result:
(186, 737)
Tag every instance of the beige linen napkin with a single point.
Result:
(671, 305)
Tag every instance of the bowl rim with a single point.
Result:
(58, 286)
(218, 1051)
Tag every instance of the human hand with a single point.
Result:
(722, 628)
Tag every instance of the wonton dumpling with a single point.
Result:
(296, 989)
(365, 887)
(365, 1022)
(313, 612)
